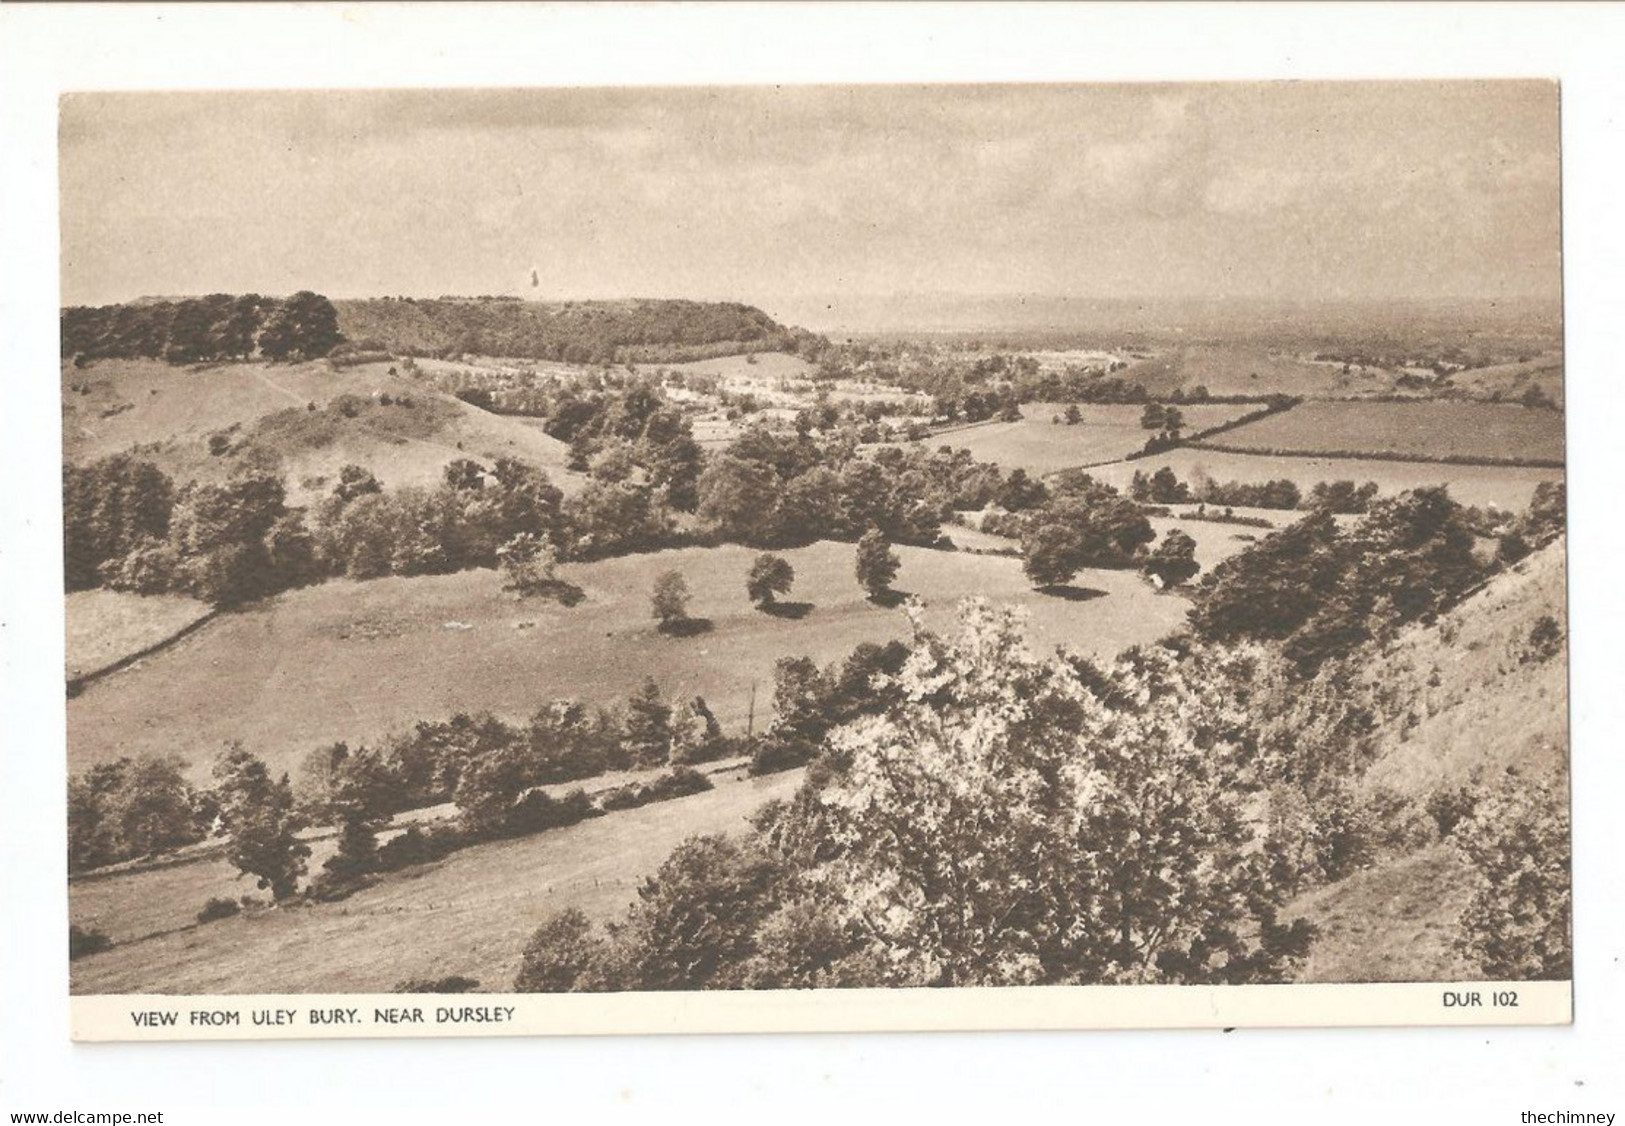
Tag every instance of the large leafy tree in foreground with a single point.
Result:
(1007, 820)
(1003, 825)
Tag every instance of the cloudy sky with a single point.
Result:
(1265, 190)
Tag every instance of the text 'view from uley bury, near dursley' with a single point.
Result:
(577, 548)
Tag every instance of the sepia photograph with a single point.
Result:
(748, 539)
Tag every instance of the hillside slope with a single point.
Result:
(1479, 691)
(574, 331)
(304, 420)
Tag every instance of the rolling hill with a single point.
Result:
(1478, 695)
(572, 331)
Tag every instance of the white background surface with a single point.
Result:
(1335, 1075)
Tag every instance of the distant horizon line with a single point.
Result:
(895, 295)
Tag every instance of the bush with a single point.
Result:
(218, 908)
(781, 751)
(418, 846)
(1517, 925)
(455, 983)
(558, 955)
(83, 941)
(677, 782)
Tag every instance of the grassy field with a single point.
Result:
(348, 660)
(1038, 445)
(1238, 370)
(1434, 429)
(471, 913)
(1511, 380)
(106, 626)
(171, 412)
(1510, 487)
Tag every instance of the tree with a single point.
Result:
(1049, 554)
(737, 498)
(1151, 418)
(559, 954)
(1089, 526)
(1002, 824)
(695, 919)
(1020, 492)
(1073, 414)
(696, 736)
(876, 564)
(529, 564)
(258, 817)
(648, 726)
(669, 601)
(769, 575)
(1174, 560)
(304, 327)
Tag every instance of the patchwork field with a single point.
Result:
(1040, 445)
(106, 626)
(1509, 487)
(349, 660)
(1431, 429)
(471, 913)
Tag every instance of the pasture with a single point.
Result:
(471, 913)
(106, 626)
(170, 413)
(1039, 445)
(1511, 380)
(357, 660)
(1240, 370)
(1420, 429)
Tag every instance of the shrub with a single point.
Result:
(678, 782)
(1517, 925)
(781, 751)
(83, 941)
(218, 908)
(418, 846)
(1545, 641)
(454, 983)
(558, 955)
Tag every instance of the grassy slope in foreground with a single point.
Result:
(471, 913)
(1490, 708)
(354, 661)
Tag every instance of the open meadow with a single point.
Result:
(469, 914)
(1495, 432)
(105, 627)
(356, 660)
(289, 416)
(1230, 369)
(1040, 444)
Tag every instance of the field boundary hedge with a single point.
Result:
(77, 684)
